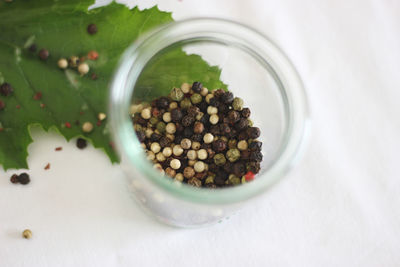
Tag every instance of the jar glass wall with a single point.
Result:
(253, 68)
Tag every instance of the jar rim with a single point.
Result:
(236, 34)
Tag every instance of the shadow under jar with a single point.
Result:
(253, 68)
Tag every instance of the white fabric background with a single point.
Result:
(339, 207)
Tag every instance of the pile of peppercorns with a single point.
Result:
(199, 137)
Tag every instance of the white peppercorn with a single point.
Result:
(150, 155)
(177, 150)
(170, 136)
(186, 143)
(191, 162)
(196, 145)
(170, 172)
(185, 87)
(167, 116)
(208, 138)
(179, 177)
(170, 128)
(83, 68)
(87, 127)
(158, 167)
(146, 113)
(202, 154)
(167, 151)
(160, 157)
(208, 98)
(199, 166)
(191, 154)
(62, 63)
(101, 116)
(136, 109)
(155, 147)
(212, 110)
(242, 145)
(214, 119)
(204, 91)
(148, 132)
(173, 105)
(175, 164)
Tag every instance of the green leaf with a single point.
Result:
(60, 27)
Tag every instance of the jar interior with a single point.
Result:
(242, 73)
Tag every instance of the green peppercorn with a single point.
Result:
(176, 94)
(233, 179)
(185, 103)
(209, 180)
(219, 159)
(232, 143)
(153, 121)
(233, 154)
(250, 122)
(196, 98)
(161, 127)
(237, 103)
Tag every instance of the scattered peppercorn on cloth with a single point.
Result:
(339, 207)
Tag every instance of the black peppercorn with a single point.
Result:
(220, 178)
(254, 167)
(193, 111)
(14, 179)
(23, 178)
(197, 86)
(245, 155)
(197, 137)
(253, 132)
(225, 129)
(218, 93)
(255, 146)
(43, 54)
(239, 169)
(179, 127)
(176, 115)
(205, 119)
(214, 130)
(242, 124)
(228, 167)
(188, 132)
(178, 139)
(219, 145)
(214, 102)
(203, 106)
(162, 102)
(245, 113)
(81, 143)
(227, 98)
(243, 135)
(155, 137)
(223, 109)
(6, 89)
(165, 141)
(233, 116)
(92, 28)
(256, 156)
(141, 136)
(187, 121)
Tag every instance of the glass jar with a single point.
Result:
(254, 69)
